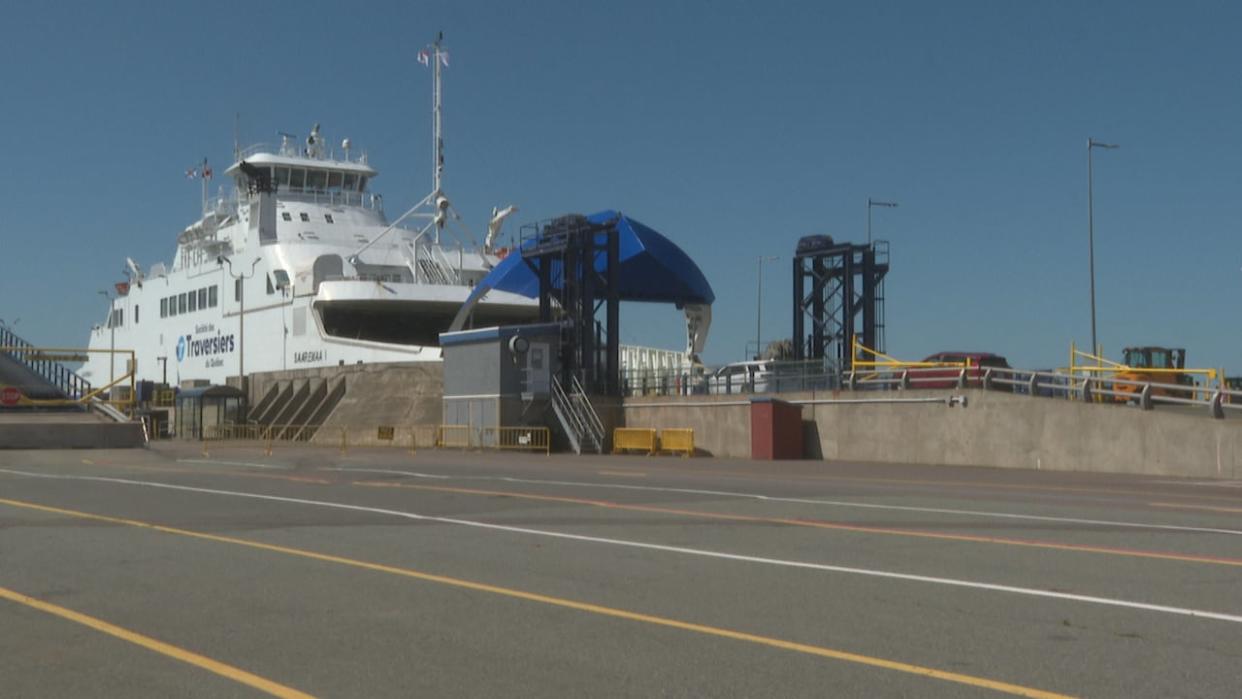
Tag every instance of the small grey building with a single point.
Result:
(501, 376)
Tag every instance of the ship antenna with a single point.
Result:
(438, 57)
(433, 56)
(236, 136)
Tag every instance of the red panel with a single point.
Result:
(775, 430)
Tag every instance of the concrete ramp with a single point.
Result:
(358, 397)
(38, 430)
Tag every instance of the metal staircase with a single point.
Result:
(22, 363)
(577, 416)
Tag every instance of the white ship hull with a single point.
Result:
(325, 280)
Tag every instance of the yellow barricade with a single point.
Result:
(525, 438)
(453, 436)
(677, 440)
(633, 438)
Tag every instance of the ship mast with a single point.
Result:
(434, 56)
(438, 143)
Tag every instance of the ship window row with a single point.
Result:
(116, 318)
(305, 217)
(298, 179)
(189, 302)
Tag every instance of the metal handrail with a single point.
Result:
(58, 375)
(588, 410)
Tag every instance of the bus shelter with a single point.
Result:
(199, 409)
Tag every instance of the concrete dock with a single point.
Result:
(379, 573)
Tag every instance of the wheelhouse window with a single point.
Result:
(237, 289)
(211, 296)
(350, 182)
(202, 298)
(193, 301)
(135, 314)
(172, 305)
(282, 177)
(316, 180)
(182, 304)
(164, 308)
(334, 180)
(362, 182)
(297, 179)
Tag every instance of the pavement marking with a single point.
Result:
(805, 565)
(974, 484)
(251, 464)
(819, 524)
(224, 670)
(704, 629)
(811, 501)
(627, 474)
(1181, 506)
(87, 461)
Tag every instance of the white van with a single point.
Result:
(742, 377)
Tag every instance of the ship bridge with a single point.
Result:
(313, 172)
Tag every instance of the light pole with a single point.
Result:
(871, 204)
(111, 337)
(241, 316)
(1092, 144)
(759, 305)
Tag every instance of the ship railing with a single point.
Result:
(365, 200)
(46, 364)
(291, 149)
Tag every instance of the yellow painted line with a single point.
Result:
(87, 461)
(1180, 506)
(819, 524)
(185, 656)
(820, 651)
(985, 485)
(627, 474)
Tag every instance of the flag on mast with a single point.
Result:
(443, 58)
(424, 57)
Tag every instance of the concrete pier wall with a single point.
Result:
(398, 394)
(994, 429)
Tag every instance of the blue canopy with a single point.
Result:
(652, 268)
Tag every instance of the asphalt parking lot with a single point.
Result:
(380, 573)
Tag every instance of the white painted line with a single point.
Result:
(952, 582)
(250, 464)
(809, 501)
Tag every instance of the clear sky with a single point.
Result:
(732, 127)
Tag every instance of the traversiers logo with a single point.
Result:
(187, 346)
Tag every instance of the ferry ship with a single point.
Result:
(298, 267)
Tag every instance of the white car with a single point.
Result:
(742, 377)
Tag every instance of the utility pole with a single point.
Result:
(1091, 145)
(241, 318)
(759, 305)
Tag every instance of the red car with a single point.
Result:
(947, 377)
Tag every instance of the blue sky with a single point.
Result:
(732, 127)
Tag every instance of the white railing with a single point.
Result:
(780, 377)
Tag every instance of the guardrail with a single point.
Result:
(1099, 387)
(517, 438)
